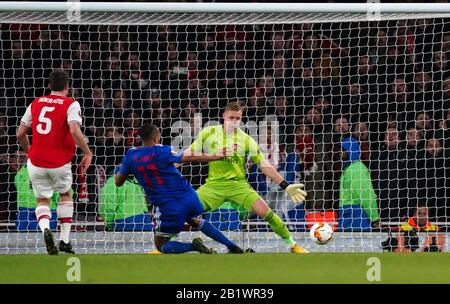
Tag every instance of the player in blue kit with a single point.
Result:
(175, 201)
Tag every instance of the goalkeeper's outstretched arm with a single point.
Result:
(294, 190)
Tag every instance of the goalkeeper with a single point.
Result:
(227, 180)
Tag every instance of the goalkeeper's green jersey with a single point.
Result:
(213, 139)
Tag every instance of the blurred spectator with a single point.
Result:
(316, 166)
(442, 100)
(400, 104)
(358, 210)
(415, 149)
(304, 84)
(189, 110)
(364, 74)
(440, 67)
(378, 51)
(114, 149)
(361, 134)
(286, 125)
(347, 143)
(305, 145)
(326, 68)
(10, 164)
(208, 108)
(265, 91)
(390, 176)
(154, 102)
(3, 135)
(314, 119)
(423, 94)
(124, 208)
(132, 125)
(95, 113)
(323, 104)
(342, 139)
(424, 124)
(358, 103)
(120, 104)
(408, 240)
(437, 186)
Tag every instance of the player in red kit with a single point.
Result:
(55, 123)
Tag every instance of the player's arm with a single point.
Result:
(22, 137)
(79, 139)
(122, 172)
(119, 179)
(293, 190)
(195, 153)
(74, 120)
(24, 128)
(268, 170)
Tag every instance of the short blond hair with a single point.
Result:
(233, 106)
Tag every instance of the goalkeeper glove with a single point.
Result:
(294, 191)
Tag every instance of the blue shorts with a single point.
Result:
(171, 213)
(353, 218)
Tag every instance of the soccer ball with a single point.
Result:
(321, 233)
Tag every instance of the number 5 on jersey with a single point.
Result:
(45, 123)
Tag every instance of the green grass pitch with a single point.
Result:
(226, 268)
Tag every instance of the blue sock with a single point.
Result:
(208, 229)
(176, 247)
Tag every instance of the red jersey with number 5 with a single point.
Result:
(48, 116)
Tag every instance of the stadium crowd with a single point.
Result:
(384, 85)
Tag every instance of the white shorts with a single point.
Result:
(47, 181)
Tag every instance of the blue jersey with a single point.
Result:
(154, 169)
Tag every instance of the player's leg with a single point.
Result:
(276, 223)
(43, 213)
(248, 198)
(62, 184)
(273, 200)
(211, 197)
(169, 220)
(168, 245)
(43, 191)
(209, 230)
(65, 215)
(165, 244)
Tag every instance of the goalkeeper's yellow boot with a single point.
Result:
(156, 251)
(298, 249)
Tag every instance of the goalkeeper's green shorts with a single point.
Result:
(213, 194)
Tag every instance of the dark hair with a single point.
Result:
(58, 80)
(148, 131)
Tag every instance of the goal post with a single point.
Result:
(353, 100)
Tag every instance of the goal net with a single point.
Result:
(352, 101)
